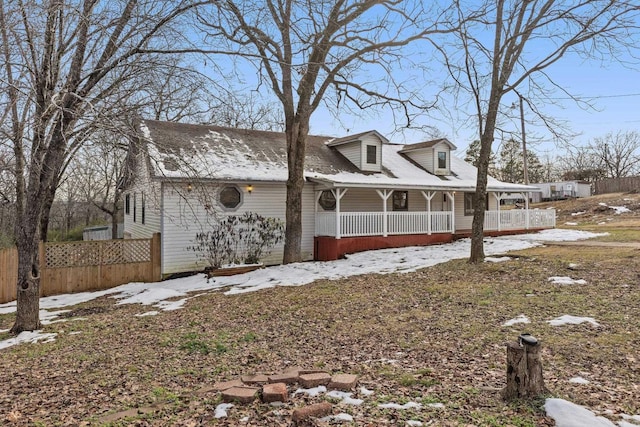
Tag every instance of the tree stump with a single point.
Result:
(524, 372)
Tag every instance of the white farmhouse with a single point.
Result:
(361, 191)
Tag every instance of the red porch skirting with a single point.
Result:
(329, 248)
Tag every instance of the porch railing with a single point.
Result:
(354, 224)
(519, 219)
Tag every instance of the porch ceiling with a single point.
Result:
(465, 187)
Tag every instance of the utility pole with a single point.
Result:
(524, 143)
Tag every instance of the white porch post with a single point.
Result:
(526, 206)
(429, 197)
(498, 197)
(338, 193)
(384, 195)
(315, 207)
(452, 197)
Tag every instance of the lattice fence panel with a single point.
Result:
(126, 251)
(81, 254)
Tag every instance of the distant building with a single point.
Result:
(560, 190)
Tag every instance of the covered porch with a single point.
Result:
(440, 217)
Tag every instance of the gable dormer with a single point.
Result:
(364, 150)
(434, 156)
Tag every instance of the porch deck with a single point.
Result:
(346, 232)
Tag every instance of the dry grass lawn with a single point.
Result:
(430, 336)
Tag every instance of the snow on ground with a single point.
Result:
(579, 380)
(311, 392)
(341, 417)
(572, 320)
(221, 410)
(26, 336)
(567, 414)
(520, 319)
(344, 397)
(172, 294)
(565, 280)
(408, 405)
(497, 259)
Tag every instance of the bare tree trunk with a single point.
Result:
(28, 286)
(114, 221)
(296, 144)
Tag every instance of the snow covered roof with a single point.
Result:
(428, 144)
(186, 151)
(356, 137)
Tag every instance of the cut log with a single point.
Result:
(524, 372)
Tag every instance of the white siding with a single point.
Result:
(465, 222)
(423, 157)
(428, 158)
(151, 190)
(353, 152)
(184, 216)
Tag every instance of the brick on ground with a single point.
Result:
(255, 379)
(240, 394)
(287, 378)
(227, 384)
(276, 392)
(316, 410)
(343, 382)
(314, 380)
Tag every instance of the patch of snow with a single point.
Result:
(221, 410)
(28, 337)
(620, 209)
(564, 280)
(75, 333)
(244, 419)
(437, 405)
(497, 259)
(572, 320)
(570, 223)
(312, 392)
(573, 265)
(579, 380)
(147, 313)
(365, 392)
(414, 423)
(603, 204)
(520, 319)
(408, 405)
(635, 420)
(568, 414)
(578, 213)
(341, 417)
(345, 397)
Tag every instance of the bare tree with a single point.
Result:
(618, 153)
(507, 45)
(65, 63)
(580, 163)
(304, 50)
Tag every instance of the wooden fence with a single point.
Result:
(617, 185)
(86, 266)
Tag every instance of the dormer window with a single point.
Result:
(442, 160)
(372, 154)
